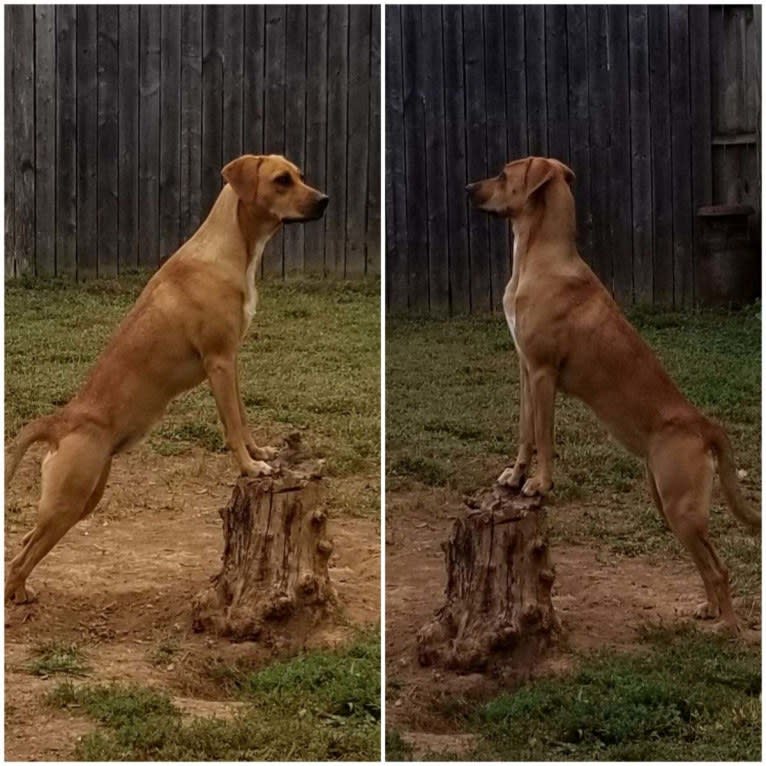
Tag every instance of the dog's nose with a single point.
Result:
(470, 187)
(322, 202)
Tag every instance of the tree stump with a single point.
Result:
(499, 613)
(275, 560)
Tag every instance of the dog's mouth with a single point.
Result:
(314, 215)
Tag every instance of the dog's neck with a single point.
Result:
(236, 230)
(545, 233)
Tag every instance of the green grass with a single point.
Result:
(319, 706)
(57, 658)
(452, 414)
(686, 696)
(311, 362)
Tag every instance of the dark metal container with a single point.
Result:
(729, 266)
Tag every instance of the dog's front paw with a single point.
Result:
(262, 453)
(536, 486)
(257, 468)
(512, 478)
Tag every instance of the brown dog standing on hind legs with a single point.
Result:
(571, 336)
(186, 326)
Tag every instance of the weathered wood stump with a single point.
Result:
(499, 612)
(275, 560)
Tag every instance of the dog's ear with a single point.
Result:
(541, 170)
(242, 175)
(566, 171)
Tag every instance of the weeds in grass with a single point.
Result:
(688, 696)
(57, 658)
(316, 707)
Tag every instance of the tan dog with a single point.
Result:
(186, 326)
(570, 335)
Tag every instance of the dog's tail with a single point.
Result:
(44, 428)
(727, 472)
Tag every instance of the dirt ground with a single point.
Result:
(602, 599)
(120, 585)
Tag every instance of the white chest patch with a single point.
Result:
(251, 294)
(510, 317)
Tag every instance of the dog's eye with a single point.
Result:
(283, 180)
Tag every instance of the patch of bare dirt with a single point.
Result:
(603, 601)
(120, 584)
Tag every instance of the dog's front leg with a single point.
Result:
(256, 452)
(221, 372)
(514, 477)
(542, 388)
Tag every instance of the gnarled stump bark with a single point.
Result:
(499, 578)
(275, 560)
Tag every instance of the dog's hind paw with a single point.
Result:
(707, 611)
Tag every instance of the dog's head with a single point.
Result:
(517, 186)
(275, 186)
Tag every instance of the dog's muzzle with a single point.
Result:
(319, 207)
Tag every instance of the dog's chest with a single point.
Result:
(509, 309)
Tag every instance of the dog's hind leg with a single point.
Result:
(73, 479)
(683, 471)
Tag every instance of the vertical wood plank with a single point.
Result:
(24, 138)
(662, 184)
(357, 148)
(255, 49)
(66, 141)
(190, 172)
(108, 140)
(397, 271)
(621, 228)
(212, 103)
(598, 112)
(415, 157)
(515, 82)
(455, 149)
(316, 128)
(9, 144)
(87, 142)
(537, 119)
(701, 120)
(556, 84)
(273, 261)
(436, 164)
(233, 78)
(170, 128)
(45, 139)
(680, 124)
(149, 136)
(579, 130)
(494, 58)
(337, 137)
(128, 129)
(476, 152)
(640, 141)
(372, 251)
(295, 126)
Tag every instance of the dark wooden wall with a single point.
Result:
(119, 119)
(656, 108)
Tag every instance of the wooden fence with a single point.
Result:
(118, 120)
(656, 108)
